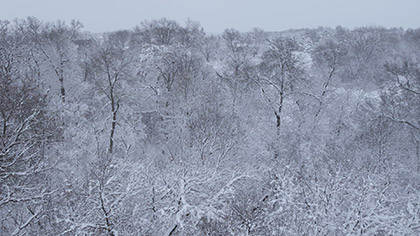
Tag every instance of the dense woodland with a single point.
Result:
(167, 130)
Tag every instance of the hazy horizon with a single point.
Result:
(215, 16)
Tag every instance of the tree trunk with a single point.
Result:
(418, 154)
(114, 109)
(63, 92)
(60, 75)
(278, 124)
(324, 91)
(106, 213)
(111, 137)
(173, 230)
(4, 124)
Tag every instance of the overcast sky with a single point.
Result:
(217, 15)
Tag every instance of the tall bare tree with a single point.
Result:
(280, 71)
(111, 65)
(55, 44)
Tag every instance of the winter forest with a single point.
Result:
(165, 129)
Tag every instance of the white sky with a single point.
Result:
(217, 15)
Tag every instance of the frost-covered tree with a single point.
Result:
(329, 55)
(27, 131)
(55, 44)
(169, 133)
(110, 65)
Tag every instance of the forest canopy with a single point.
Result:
(164, 129)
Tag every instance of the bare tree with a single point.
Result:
(328, 55)
(158, 32)
(55, 43)
(26, 132)
(281, 72)
(110, 67)
(400, 103)
(239, 60)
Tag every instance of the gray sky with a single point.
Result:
(217, 15)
